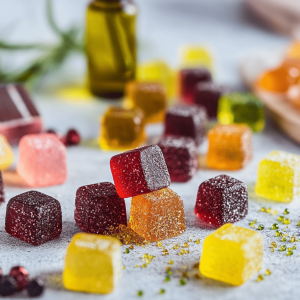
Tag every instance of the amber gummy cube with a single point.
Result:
(122, 129)
(150, 97)
(230, 147)
(158, 215)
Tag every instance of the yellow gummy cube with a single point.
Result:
(232, 254)
(6, 153)
(278, 177)
(93, 263)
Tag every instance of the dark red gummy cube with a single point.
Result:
(186, 120)
(222, 200)
(33, 217)
(1, 189)
(207, 94)
(98, 207)
(189, 78)
(139, 171)
(180, 154)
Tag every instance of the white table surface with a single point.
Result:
(164, 25)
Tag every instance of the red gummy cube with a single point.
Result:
(188, 80)
(186, 120)
(33, 217)
(180, 154)
(222, 200)
(98, 207)
(139, 171)
(1, 189)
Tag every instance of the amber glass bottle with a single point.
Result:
(111, 46)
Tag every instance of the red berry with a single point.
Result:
(72, 137)
(20, 274)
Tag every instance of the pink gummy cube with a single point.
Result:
(1, 189)
(42, 160)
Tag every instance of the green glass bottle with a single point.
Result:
(110, 46)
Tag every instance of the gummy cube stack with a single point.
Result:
(180, 154)
(122, 129)
(150, 97)
(93, 264)
(232, 254)
(278, 177)
(98, 207)
(42, 160)
(242, 108)
(33, 217)
(221, 200)
(6, 154)
(1, 189)
(186, 120)
(230, 147)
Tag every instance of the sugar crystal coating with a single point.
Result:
(98, 207)
(158, 215)
(93, 264)
(278, 177)
(42, 160)
(232, 254)
(186, 120)
(180, 154)
(221, 200)
(139, 171)
(2, 196)
(6, 153)
(33, 217)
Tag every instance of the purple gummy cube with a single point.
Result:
(186, 120)
(33, 217)
(207, 94)
(222, 200)
(189, 78)
(1, 189)
(180, 154)
(98, 207)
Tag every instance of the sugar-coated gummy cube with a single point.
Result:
(33, 217)
(2, 198)
(98, 207)
(229, 147)
(222, 200)
(242, 108)
(42, 160)
(139, 171)
(93, 264)
(180, 154)
(186, 120)
(122, 129)
(158, 215)
(188, 79)
(150, 97)
(278, 177)
(232, 254)
(6, 153)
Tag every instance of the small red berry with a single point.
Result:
(72, 137)
(20, 274)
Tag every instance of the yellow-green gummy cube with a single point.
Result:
(232, 254)
(93, 263)
(278, 177)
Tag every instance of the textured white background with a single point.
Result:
(163, 26)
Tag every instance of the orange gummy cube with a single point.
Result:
(158, 215)
(230, 146)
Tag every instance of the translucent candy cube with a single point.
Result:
(6, 153)
(242, 108)
(186, 120)
(222, 200)
(229, 147)
(158, 215)
(42, 160)
(232, 254)
(180, 154)
(2, 198)
(188, 80)
(93, 264)
(122, 129)
(278, 177)
(98, 207)
(139, 171)
(150, 97)
(33, 217)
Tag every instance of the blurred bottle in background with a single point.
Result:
(110, 46)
